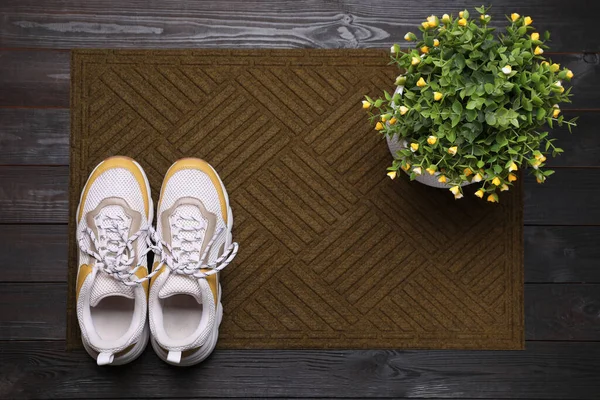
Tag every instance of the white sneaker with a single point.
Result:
(193, 236)
(113, 217)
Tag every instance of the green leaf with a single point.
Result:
(457, 107)
(472, 104)
(490, 118)
(497, 169)
(489, 88)
(541, 113)
(378, 103)
(455, 118)
(451, 136)
(480, 164)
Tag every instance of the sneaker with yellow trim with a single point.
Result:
(193, 242)
(113, 217)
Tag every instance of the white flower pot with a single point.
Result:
(394, 144)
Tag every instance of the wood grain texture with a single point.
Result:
(552, 312)
(32, 311)
(34, 78)
(543, 371)
(562, 254)
(41, 137)
(563, 312)
(567, 198)
(34, 194)
(34, 136)
(30, 78)
(332, 24)
(38, 194)
(33, 253)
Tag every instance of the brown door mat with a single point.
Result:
(333, 254)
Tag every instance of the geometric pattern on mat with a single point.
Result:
(333, 254)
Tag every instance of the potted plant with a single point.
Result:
(471, 106)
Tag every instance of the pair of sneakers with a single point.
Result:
(181, 296)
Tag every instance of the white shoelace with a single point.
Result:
(116, 256)
(115, 253)
(181, 260)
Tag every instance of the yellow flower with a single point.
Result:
(408, 37)
(366, 104)
(512, 177)
(442, 179)
(433, 21)
(383, 118)
(506, 70)
(417, 170)
(414, 147)
(431, 140)
(512, 167)
(545, 63)
(569, 74)
(403, 110)
(406, 167)
(536, 164)
(527, 21)
(496, 181)
(425, 25)
(393, 121)
(504, 187)
(415, 60)
(460, 14)
(556, 112)
(555, 67)
(424, 49)
(538, 51)
(378, 126)
(480, 193)
(540, 158)
(477, 177)
(458, 196)
(535, 36)
(462, 22)
(452, 150)
(394, 49)
(455, 190)
(445, 18)
(537, 178)
(559, 85)
(431, 170)
(391, 174)
(468, 172)
(421, 82)
(514, 17)
(437, 96)
(492, 198)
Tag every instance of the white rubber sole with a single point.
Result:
(140, 346)
(203, 352)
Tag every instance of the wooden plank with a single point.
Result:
(34, 194)
(552, 312)
(34, 78)
(33, 253)
(562, 312)
(569, 197)
(562, 254)
(565, 254)
(34, 136)
(41, 136)
(41, 78)
(177, 23)
(38, 194)
(32, 311)
(582, 147)
(543, 371)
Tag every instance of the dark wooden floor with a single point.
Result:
(562, 217)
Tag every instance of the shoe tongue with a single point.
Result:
(104, 286)
(181, 284)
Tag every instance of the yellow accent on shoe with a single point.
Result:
(111, 163)
(84, 271)
(200, 165)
